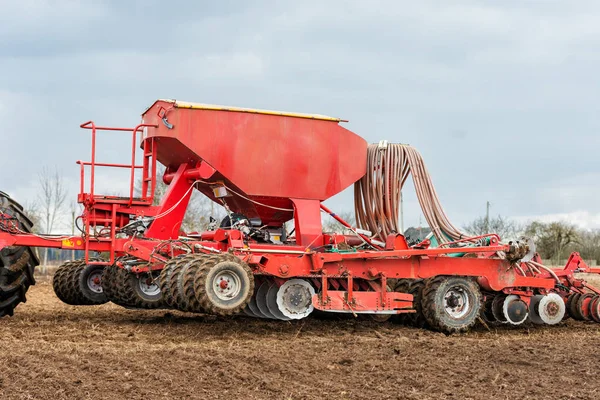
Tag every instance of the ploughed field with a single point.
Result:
(50, 350)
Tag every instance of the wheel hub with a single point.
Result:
(456, 302)
(94, 281)
(294, 299)
(147, 285)
(227, 285)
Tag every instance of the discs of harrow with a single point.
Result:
(551, 309)
(573, 309)
(595, 308)
(261, 300)
(497, 308)
(583, 306)
(487, 313)
(514, 310)
(253, 307)
(294, 298)
(272, 303)
(534, 315)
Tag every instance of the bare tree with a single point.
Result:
(506, 228)
(552, 239)
(51, 201)
(330, 225)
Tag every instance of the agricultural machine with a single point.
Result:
(266, 169)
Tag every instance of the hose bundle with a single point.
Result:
(378, 194)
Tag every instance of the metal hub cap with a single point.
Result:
(147, 285)
(294, 298)
(227, 285)
(456, 302)
(94, 281)
(551, 309)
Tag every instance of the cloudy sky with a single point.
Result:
(501, 98)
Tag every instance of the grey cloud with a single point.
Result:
(501, 98)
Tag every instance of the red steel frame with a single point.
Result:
(346, 272)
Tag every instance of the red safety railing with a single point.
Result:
(148, 168)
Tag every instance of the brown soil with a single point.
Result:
(49, 350)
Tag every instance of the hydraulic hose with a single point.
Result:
(377, 195)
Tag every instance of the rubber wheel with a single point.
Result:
(114, 280)
(185, 282)
(451, 304)
(90, 283)
(142, 290)
(164, 280)
(402, 286)
(223, 284)
(414, 287)
(173, 293)
(17, 263)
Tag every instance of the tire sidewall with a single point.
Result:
(242, 295)
(134, 281)
(474, 298)
(83, 283)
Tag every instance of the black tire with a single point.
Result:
(70, 284)
(17, 263)
(61, 283)
(172, 292)
(186, 294)
(435, 301)
(114, 280)
(142, 290)
(90, 284)
(235, 217)
(414, 287)
(215, 267)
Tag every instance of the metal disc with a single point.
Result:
(294, 298)
(272, 303)
(253, 307)
(534, 315)
(573, 310)
(248, 312)
(486, 311)
(595, 308)
(583, 306)
(497, 305)
(514, 310)
(261, 300)
(551, 309)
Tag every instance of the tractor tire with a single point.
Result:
(223, 284)
(63, 283)
(142, 290)
(402, 286)
(89, 279)
(442, 295)
(78, 284)
(414, 287)
(172, 293)
(17, 263)
(114, 280)
(186, 294)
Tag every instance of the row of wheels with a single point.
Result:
(77, 283)
(220, 284)
(454, 304)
